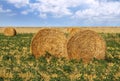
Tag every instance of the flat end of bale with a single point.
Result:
(9, 31)
(49, 40)
(86, 45)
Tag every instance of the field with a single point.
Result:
(35, 29)
(18, 64)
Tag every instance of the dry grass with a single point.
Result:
(9, 32)
(86, 45)
(18, 64)
(49, 40)
(96, 29)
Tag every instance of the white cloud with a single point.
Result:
(100, 11)
(4, 10)
(96, 9)
(8, 12)
(56, 8)
(24, 12)
(19, 3)
(43, 15)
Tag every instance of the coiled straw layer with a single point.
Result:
(9, 32)
(86, 45)
(49, 40)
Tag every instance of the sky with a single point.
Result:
(35, 13)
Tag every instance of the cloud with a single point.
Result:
(18, 3)
(43, 15)
(57, 8)
(24, 12)
(4, 10)
(8, 12)
(101, 11)
(75, 9)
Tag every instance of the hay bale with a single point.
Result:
(49, 40)
(72, 31)
(86, 45)
(9, 32)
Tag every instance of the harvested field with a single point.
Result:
(17, 63)
(96, 29)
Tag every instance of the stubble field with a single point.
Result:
(17, 63)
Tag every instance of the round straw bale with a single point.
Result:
(72, 31)
(9, 32)
(49, 40)
(86, 45)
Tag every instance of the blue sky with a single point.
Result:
(59, 12)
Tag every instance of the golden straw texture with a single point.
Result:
(70, 31)
(9, 32)
(49, 40)
(86, 45)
